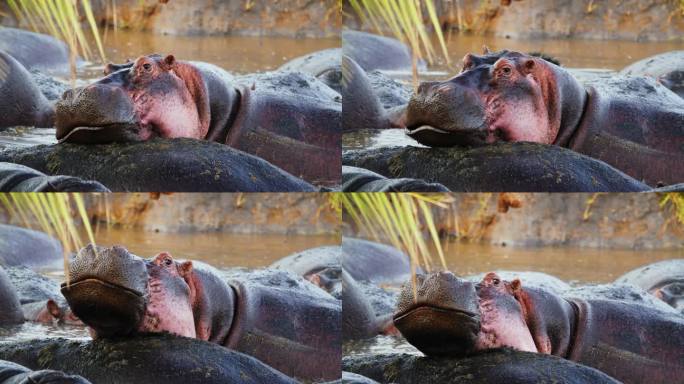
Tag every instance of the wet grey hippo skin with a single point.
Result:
(454, 317)
(160, 165)
(664, 280)
(11, 373)
(40, 298)
(377, 52)
(321, 266)
(359, 320)
(494, 367)
(116, 293)
(631, 123)
(324, 65)
(20, 178)
(356, 179)
(20, 246)
(9, 301)
(667, 68)
(510, 167)
(378, 263)
(21, 102)
(157, 96)
(146, 359)
(35, 50)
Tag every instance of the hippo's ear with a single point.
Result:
(516, 285)
(53, 308)
(169, 61)
(529, 65)
(185, 268)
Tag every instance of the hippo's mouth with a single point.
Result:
(436, 330)
(109, 133)
(110, 309)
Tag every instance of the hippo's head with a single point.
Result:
(450, 316)
(671, 292)
(117, 293)
(506, 96)
(153, 96)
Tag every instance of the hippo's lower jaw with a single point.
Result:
(436, 137)
(118, 132)
(118, 310)
(439, 331)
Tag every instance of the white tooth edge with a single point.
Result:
(78, 129)
(425, 128)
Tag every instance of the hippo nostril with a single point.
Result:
(426, 86)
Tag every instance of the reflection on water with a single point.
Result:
(606, 54)
(377, 138)
(218, 249)
(379, 345)
(29, 331)
(574, 265)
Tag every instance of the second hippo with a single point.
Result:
(159, 96)
(629, 342)
(116, 293)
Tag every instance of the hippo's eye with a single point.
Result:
(168, 261)
(506, 71)
(147, 66)
(496, 281)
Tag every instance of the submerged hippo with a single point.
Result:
(11, 373)
(35, 50)
(633, 124)
(455, 317)
(20, 178)
(26, 247)
(9, 302)
(321, 266)
(378, 263)
(116, 293)
(146, 359)
(324, 65)
(157, 96)
(21, 102)
(377, 52)
(664, 280)
(667, 68)
(492, 367)
(501, 167)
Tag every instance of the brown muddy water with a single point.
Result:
(586, 58)
(217, 249)
(238, 55)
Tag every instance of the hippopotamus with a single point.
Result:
(353, 378)
(377, 52)
(36, 50)
(21, 102)
(510, 167)
(324, 65)
(21, 246)
(378, 263)
(492, 367)
(20, 178)
(667, 68)
(40, 298)
(633, 124)
(359, 320)
(118, 294)
(160, 165)
(159, 96)
(11, 373)
(148, 359)
(629, 342)
(664, 280)
(11, 309)
(356, 179)
(320, 266)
